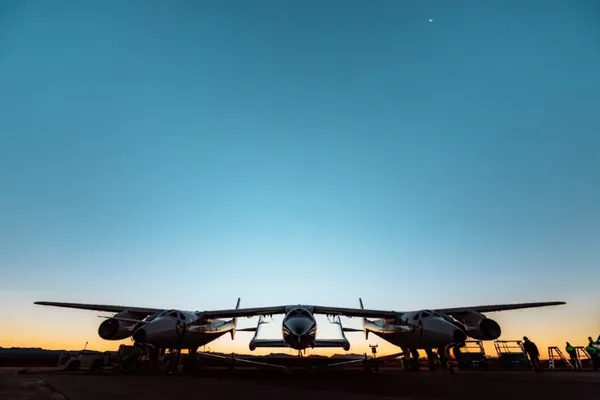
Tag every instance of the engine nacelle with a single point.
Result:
(113, 329)
(483, 329)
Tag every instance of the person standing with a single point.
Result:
(443, 357)
(534, 354)
(593, 352)
(573, 354)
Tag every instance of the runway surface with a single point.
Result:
(350, 385)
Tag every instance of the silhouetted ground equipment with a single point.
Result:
(511, 354)
(471, 355)
(84, 360)
(128, 359)
(584, 357)
(557, 359)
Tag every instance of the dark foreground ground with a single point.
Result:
(349, 385)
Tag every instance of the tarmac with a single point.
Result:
(44, 384)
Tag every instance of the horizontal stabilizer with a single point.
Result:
(321, 343)
(393, 356)
(241, 361)
(254, 343)
(247, 329)
(345, 363)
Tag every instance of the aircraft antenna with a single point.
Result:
(374, 349)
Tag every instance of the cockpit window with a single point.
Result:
(181, 317)
(416, 316)
(426, 314)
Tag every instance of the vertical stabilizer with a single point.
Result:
(362, 307)
(234, 320)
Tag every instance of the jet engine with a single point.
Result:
(113, 329)
(483, 329)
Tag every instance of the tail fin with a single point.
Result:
(362, 307)
(234, 320)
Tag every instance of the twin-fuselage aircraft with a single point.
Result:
(175, 329)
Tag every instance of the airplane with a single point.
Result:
(157, 328)
(299, 332)
(421, 329)
(433, 329)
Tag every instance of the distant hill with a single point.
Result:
(39, 352)
(30, 351)
(32, 356)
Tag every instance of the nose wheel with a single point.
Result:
(447, 355)
(181, 329)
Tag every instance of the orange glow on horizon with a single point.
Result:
(225, 345)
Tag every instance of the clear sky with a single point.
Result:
(180, 154)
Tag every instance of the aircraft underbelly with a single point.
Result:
(300, 342)
(411, 340)
(191, 340)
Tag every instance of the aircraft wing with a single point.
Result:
(355, 312)
(322, 343)
(234, 360)
(272, 310)
(497, 307)
(243, 312)
(101, 307)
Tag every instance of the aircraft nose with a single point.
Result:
(139, 335)
(297, 326)
(459, 336)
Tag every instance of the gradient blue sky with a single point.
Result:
(184, 153)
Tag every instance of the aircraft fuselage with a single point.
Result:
(170, 331)
(423, 330)
(299, 329)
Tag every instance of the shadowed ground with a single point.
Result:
(350, 385)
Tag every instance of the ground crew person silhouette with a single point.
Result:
(573, 354)
(443, 359)
(593, 352)
(432, 359)
(534, 355)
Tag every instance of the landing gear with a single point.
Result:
(413, 361)
(189, 363)
(441, 352)
(446, 353)
(181, 328)
(172, 365)
(153, 355)
(432, 359)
